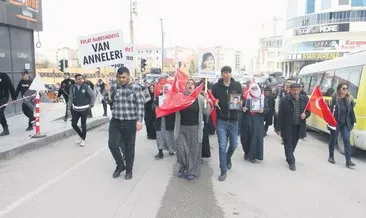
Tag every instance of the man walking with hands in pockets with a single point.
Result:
(127, 101)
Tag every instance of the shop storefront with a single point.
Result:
(19, 20)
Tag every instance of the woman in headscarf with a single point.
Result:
(188, 131)
(164, 128)
(150, 114)
(254, 109)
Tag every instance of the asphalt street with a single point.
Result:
(65, 180)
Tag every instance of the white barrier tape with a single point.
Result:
(20, 99)
(36, 114)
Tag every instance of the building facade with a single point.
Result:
(318, 30)
(270, 47)
(18, 21)
(152, 55)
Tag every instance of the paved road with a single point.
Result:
(64, 180)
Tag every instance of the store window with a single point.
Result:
(358, 3)
(310, 6)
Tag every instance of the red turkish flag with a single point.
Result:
(174, 102)
(179, 82)
(213, 114)
(158, 87)
(317, 106)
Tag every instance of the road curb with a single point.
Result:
(33, 144)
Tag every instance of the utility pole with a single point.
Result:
(162, 45)
(133, 11)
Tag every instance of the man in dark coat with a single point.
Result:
(6, 90)
(65, 90)
(292, 121)
(270, 100)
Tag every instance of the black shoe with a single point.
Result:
(253, 161)
(105, 115)
(331, 160)
(30, 128)
(118, 171)
(159, 156)
(222, 177)
(350, 164)
(293, 167)
(246, 157)
(5, 132)
(128, 176)
(229, 164)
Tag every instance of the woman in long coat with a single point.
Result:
(254, 123)
(188, 132)
(150, 115)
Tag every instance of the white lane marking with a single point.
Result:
(41, 188)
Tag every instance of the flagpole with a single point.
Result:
(206, 91)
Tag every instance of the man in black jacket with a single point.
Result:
(292, 121)
(28, 103)
(65, 90)
(227, 119)
(81, 99)
(6, 87)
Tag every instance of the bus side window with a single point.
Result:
(349, 75)
(326, 84)
(316, 78)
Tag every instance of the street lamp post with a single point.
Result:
(133, 11)
(162, 45)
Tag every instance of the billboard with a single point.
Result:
(331, 28)
(22, 13)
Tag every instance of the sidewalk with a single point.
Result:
(52, 124)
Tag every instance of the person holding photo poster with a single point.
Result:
(225, 91)
(255, 108)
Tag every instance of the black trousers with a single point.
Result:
(122, 136)
(206, 150)
(104, 107)
(28, 111)
(3, 122)
(290, 144)
(66, 97)
(76, 115)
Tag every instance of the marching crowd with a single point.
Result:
(241, 112)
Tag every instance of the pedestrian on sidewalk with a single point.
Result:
(342, 108)
(65, 90)
(104, 93)
(227, 118)
(150, 115)
(188, 133)
(28, 102)
(127, 101)
(292, 121)
(6, 89)
(89, 83)
(81, 99)
(164, 128)
(255, 109)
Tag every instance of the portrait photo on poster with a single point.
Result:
(256, 104)
(207, 64)
(235, 103)
(147, 96)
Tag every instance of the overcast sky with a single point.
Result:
(192, 23)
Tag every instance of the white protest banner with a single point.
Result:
(101, 50)
(207, 65)
(128, 59)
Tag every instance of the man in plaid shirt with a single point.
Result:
(127, 101)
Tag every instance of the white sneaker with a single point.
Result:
(82, 143)
(78, 141)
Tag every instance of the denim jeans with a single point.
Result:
(346, 134)
(226, 131)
